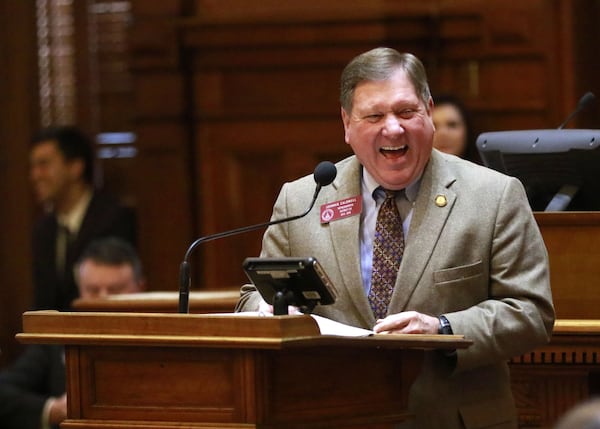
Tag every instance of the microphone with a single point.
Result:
(584, 102)
(324, 174)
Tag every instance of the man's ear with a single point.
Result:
(430, 106)
(76, 169)
(346, 122)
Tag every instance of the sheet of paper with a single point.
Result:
(326, 326)
(331, 327)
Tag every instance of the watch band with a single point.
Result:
(445, 328)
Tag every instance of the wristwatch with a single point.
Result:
(445, 328)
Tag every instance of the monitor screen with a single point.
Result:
(560, 169)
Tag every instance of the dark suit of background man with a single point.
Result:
(62, 160)
(474, 261)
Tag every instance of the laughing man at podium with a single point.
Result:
(438, 245)
(32, 390)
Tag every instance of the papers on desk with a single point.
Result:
(331, 327)
(326, 326)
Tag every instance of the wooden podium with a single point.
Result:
(149, 371)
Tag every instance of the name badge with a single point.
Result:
(341, 209)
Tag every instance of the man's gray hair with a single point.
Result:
(380, 64)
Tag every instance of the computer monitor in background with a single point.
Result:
(560, 169)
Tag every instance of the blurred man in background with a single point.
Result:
(32, 390)
(62, 160)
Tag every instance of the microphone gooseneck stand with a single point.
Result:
(324, 174)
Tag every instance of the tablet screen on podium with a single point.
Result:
(301, 280)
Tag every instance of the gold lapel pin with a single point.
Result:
(441, 201)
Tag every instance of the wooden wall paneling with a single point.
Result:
(160, 9)
(164, 162)
(221, 11)
(163, 191)
(274, 92)
(163, 178)
(243, 165)
(553, 37)
(276, 64)
(236, 190)
(586, 66)
(240, 177)
(511, 69)
(257, 124)
(267, 111)
(18, 119)
(269, 71)
(565, 98)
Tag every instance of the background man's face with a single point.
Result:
(99, 280)
(51, 173)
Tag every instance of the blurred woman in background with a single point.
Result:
(453, 133)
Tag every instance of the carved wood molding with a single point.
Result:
(561, 355)
(574, 342)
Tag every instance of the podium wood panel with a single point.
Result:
(143, 370)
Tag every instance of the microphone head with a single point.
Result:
(325, 173)
(587, 99)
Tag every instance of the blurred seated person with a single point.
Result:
(585, 415)
(75, 214)
(453, 132)
(32, 390)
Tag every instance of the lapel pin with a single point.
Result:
(441, 201)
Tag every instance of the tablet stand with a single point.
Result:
(283, 298)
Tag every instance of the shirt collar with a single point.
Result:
(370, 185)
(73, 220)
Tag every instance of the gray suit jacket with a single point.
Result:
(480, 260)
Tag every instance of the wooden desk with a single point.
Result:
(552, 379)
(573, 243)
(167, 371)
(201, 302)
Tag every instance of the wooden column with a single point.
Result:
(164, 165)
(18, 121)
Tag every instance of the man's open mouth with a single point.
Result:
(393, 152)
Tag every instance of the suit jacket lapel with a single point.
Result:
(427, 223)
(345, 239)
